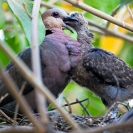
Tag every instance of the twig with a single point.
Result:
(28, 75)
(22, 120)
(49, 5)
(17, 106)
(4, 109)
(101, 14)
(46, 4)
(23, 104)
(26, 10)
(8, 118)
(113, 14)
(53, 1)
(111, 127)
(129, 10)
(120, 17)
(41, 101)
(116, 103)
(18, 129)
(3, 97)
(74, 103)
(83, 107)
(111, 32)
(104, 29)
(70, 109)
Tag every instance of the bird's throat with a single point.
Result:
(48, 32)
(85, 41)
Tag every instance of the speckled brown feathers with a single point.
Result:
(99, 70)
(108, 68)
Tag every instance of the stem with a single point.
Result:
(41, 102)
(101, 14)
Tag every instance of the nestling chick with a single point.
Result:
(99, 70)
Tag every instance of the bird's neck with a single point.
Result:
(48, 32)
(52, 30)
(84, 37)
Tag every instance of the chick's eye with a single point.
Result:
(55, 14)
(73, 15)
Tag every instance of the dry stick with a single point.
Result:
(101, 14)
(83, 107)
(129, 10)
(53, 1)
(74, 103)
(17, 106)
(105, 30)
(111, 32)
(46, 4)
(3, 97)
(41, 101)
(8, 118)
(96, 30)
(18, 129)
(113, 14)
(23, 104)
(29, 76)
(70, 109)
(109, 110)
(111, 127)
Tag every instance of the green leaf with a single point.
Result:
(125, 2)
(17, 7)
(106, 6)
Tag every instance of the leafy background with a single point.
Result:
(15, 29)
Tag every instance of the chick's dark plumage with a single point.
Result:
(99, 70)
(55, 62)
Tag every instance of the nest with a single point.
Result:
(112, 122)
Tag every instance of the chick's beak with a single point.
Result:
(66, 21)
(69, 18)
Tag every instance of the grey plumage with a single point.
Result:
(99, 70)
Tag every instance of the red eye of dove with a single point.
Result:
(55, 14)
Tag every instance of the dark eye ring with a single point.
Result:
(73, 15)
(55, 14)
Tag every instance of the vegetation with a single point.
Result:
(15, 30)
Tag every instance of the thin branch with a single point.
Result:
(70, 109)
(18, 129)
(83, 107)
(46, 4)
(53, 1)
(111, 32)
(26, 10)
(111, 127)
(113, 14)
(17, 106)
(28, 75)
(74, 103)
(3, 97)
(104, 29)
(49, 5)
(129, 10)
(101, 14)
(109, 110)
(8, 118)
(23, 104)
(41, 101)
